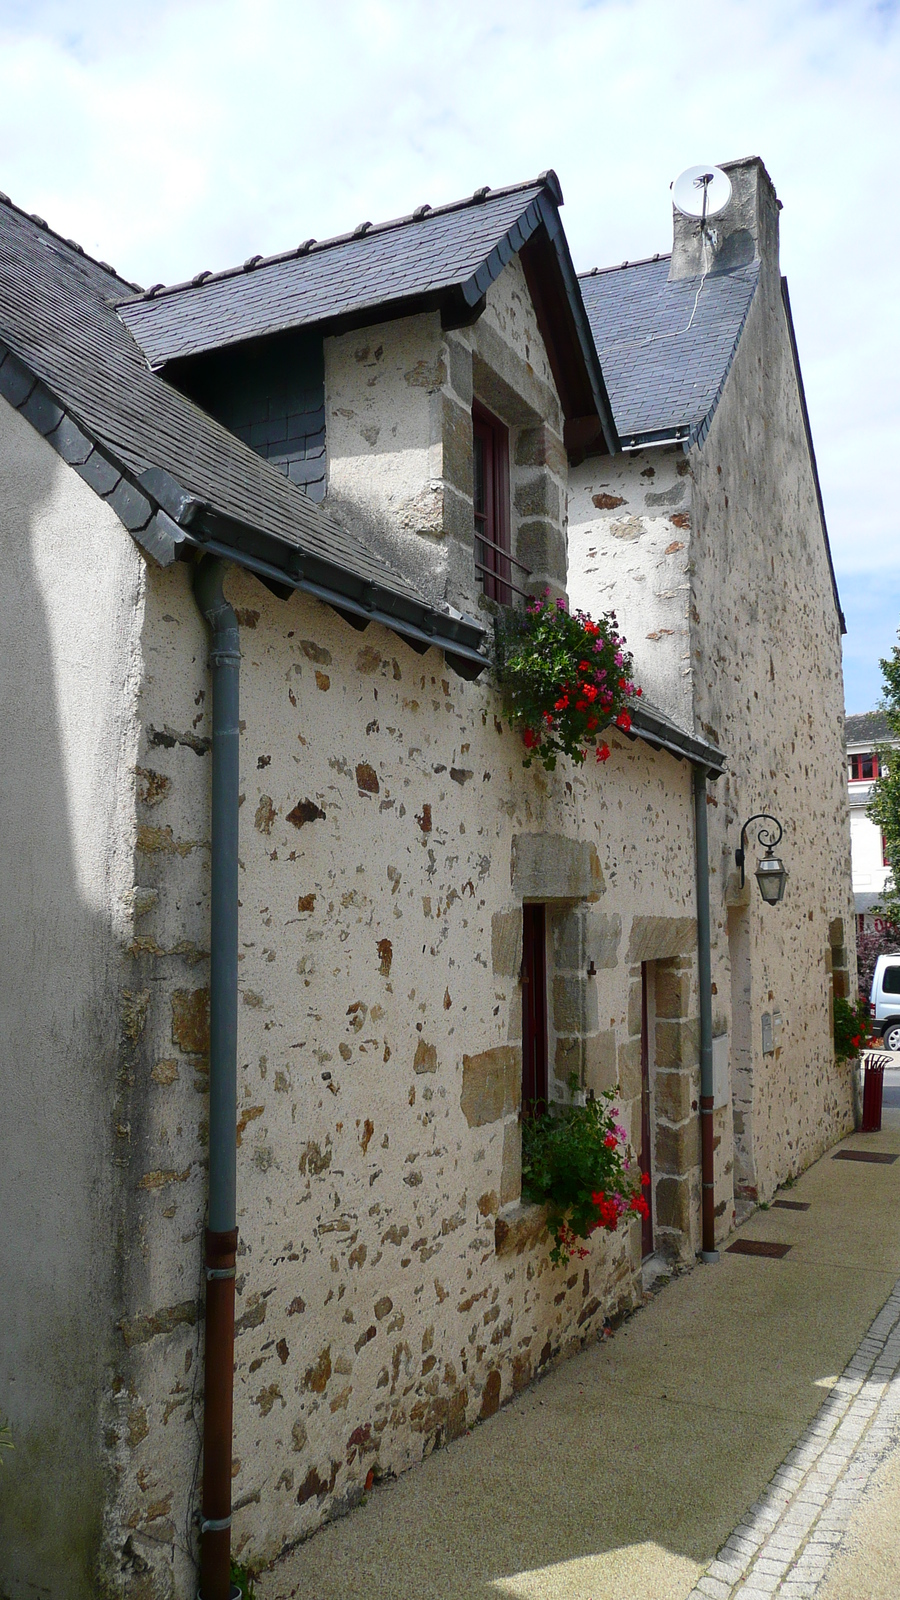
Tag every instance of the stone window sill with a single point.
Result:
(518, 1227)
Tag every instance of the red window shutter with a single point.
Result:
(491, 504)
(534, 1010)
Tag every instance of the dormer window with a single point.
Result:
(491, 504)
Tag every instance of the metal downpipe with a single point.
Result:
(221, 1230)
(708, 1251)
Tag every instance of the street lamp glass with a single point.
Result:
(771, 875)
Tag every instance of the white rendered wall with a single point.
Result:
(71, 596)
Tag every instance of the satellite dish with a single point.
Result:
(702, 191)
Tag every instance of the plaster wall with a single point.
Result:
(71, 602)
(629, 552)
(866, 845)
(392, 1289)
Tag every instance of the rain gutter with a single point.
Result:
(221, 1228)
(708, 1251)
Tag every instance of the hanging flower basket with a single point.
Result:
(576, 1160)
(564, 678)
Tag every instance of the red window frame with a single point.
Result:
(535, 1051)
(490, 499)
(859, 762)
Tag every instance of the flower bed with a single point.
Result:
(576, 1160)
(564, 677)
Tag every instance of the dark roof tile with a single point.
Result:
(58, 320)
(412, 256)
(665, 348)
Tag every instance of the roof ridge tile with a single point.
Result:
(421, 213)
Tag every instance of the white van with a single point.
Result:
(884, 1001)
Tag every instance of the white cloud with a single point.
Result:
(176, 137)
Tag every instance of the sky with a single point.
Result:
(171, 137)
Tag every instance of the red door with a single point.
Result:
(646, 1127)
(534, 1010)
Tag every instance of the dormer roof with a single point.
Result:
(437, 258)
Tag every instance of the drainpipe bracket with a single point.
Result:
(709, 1257)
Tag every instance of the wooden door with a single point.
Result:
(646, 1123)
(534, 1010)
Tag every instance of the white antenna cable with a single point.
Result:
(700, 192)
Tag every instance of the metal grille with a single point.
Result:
(758, 1247)
(881, 1156)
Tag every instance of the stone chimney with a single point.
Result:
(745, 231)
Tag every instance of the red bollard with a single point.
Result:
(873, 1089)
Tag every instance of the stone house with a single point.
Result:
(378, 439)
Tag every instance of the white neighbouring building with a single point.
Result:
(870, 869)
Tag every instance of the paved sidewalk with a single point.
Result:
(786, 1543)
(729, 1441)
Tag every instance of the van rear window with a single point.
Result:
(890, 983)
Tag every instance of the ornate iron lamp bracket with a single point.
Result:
(763, 837)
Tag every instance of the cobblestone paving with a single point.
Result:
(787, 1539)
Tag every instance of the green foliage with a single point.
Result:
(884, 805)
(851, 1026)
(563, 677)
(244, 1581)
(576, 1160)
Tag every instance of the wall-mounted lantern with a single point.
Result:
(771, 873)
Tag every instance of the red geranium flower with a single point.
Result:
(645, 1178)
(623, 721)
(562, 705)
(531, 739)
(603, 752)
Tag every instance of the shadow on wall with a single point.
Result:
(63, 573)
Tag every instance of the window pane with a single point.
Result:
(890, 983)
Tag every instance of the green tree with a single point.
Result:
(884, 805)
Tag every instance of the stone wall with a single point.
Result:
(399, 440)
(392, 1289)
(766, 637)
(716, 563)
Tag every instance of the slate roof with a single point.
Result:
(442, 257)
(666, 348)
(168, 469)
(449, 246)
(869, 728)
